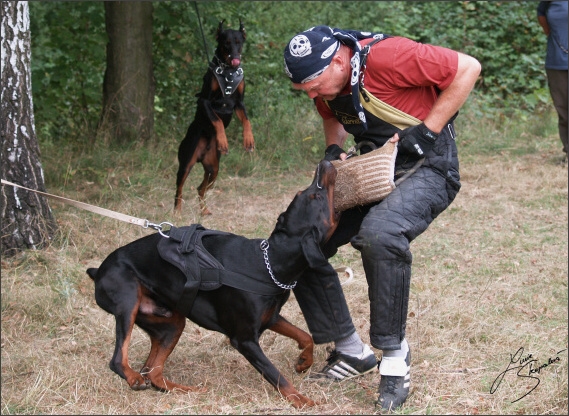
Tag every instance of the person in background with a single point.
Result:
(552, 16)
(429, 83)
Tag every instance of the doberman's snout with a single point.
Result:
(325, 175)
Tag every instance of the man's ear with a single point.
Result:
(312, 251)
(339, 59)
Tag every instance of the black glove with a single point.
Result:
(333, 152)
(417, 140)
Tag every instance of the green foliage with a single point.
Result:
(68, 62)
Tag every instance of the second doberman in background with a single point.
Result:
(222, 94)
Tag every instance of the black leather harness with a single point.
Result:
(228, 77)
(185, 250)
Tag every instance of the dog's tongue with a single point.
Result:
(235, 62)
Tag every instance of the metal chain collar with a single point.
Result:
(265, 249)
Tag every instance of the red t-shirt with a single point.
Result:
(405, 74)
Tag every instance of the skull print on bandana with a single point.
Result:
(300, 46)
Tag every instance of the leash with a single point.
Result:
(201, 29)
(144, 223)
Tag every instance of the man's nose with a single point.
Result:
(312, 94)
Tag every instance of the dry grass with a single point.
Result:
(490, 277)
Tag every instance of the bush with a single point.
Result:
(68, 59)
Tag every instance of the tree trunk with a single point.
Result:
(128, 88)
(27, 221)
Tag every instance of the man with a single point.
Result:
(552, 16)
(428, 83)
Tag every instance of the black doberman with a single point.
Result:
(139, 284)
(222, 93)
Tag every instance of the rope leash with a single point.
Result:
(144, 223)
(201, 30)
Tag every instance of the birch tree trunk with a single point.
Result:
(27, 220)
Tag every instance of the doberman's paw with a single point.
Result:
(140, 383)
(248, 142)
(302, 364)
(305, 360)
(223, 146)
(203, 208)
(299, 401)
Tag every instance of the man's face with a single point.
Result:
(328, 85)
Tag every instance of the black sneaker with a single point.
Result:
(342, 367)
(393, 390)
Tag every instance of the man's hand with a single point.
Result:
(418, 140)
(333, 152)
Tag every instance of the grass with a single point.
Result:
(489, 278)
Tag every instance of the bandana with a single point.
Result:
(309, 53)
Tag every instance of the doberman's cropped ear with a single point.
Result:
(242, 29)
(219, 29)
(312, 251)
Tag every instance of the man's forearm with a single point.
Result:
(334, 132)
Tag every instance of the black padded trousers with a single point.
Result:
(382, 232)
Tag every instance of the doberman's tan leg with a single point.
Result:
(220, 137)
(305, 342)
(184, 171)
(164, 335)
(210, 164)
(248, 140)
(119, 363)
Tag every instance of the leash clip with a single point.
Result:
(159, 227)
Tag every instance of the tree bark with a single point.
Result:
(128, 88)
(27, 220)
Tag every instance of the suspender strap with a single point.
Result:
(386, 112)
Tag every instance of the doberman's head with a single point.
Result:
(230, 44)
(310, 218)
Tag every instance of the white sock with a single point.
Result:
(353, 346)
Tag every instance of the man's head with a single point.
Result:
(309, 53)
(317, 63)
(321, 61)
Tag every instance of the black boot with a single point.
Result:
(394, 389)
